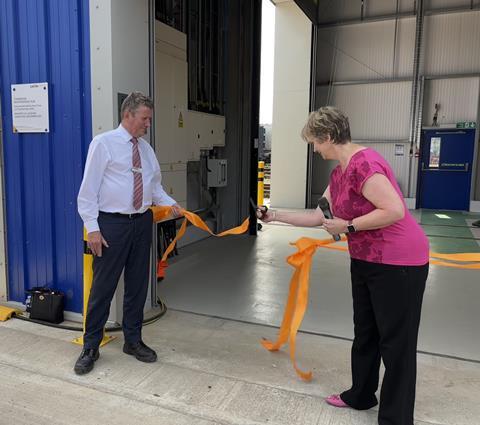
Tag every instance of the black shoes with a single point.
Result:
(86, 361)
(140, 351)
(89, 356)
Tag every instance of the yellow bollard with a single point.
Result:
(87, 286)
(261, 175)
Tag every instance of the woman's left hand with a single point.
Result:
(335, 226)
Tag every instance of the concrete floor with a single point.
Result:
(210, 371)
(224, 296)
(247, 279)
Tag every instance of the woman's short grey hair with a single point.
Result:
(327, 121)
(133, 101)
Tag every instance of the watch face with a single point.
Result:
(351, 228)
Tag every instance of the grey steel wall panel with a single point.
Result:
(366, 51)
(458, 99)
(452, 43)
(444, 4)
(375, 111)
(331, 11)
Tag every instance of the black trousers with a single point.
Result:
(129, 241)
(387, 302)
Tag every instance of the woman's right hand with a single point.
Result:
(266, 217)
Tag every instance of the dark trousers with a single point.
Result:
(129, 241)
(387, 302)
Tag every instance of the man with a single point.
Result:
(121, 181)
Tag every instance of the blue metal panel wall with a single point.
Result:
(46, 40)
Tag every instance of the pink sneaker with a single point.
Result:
(335, 400)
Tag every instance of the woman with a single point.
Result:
(389, 267)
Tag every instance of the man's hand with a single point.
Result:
(95, 242)
(177, 210)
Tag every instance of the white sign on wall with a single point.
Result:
(30, 108)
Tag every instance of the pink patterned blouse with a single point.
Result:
(402, 243)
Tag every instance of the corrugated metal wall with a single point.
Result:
(365, 67)
(365, 52)
(46, 41)
(331, 11)
(3, 271)
(452, 43)
(344, 10)
(442, 4)
(375, 111)
(458, 98)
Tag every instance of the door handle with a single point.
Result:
(223, 173)
(462, 170)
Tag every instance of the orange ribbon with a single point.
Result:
(163, 213)
(473, 258)
(297, 298)
(452, 259)
(299, 286)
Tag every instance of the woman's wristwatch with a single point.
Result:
(351, 227)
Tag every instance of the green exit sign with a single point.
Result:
(466, 124)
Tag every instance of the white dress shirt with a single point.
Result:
(108, 178)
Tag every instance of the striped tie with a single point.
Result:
(137, 175)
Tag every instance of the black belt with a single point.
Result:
(130, 216)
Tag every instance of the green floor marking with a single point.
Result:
(449, 239)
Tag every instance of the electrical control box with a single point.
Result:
(206, 131)
(217, 172)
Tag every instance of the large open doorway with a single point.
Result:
(206, 92)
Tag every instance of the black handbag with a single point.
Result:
(46, 304)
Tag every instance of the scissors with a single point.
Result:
(262, 209)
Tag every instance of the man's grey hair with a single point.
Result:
(327, 121)
(133, 101)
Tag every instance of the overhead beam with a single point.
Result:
(403, 15)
